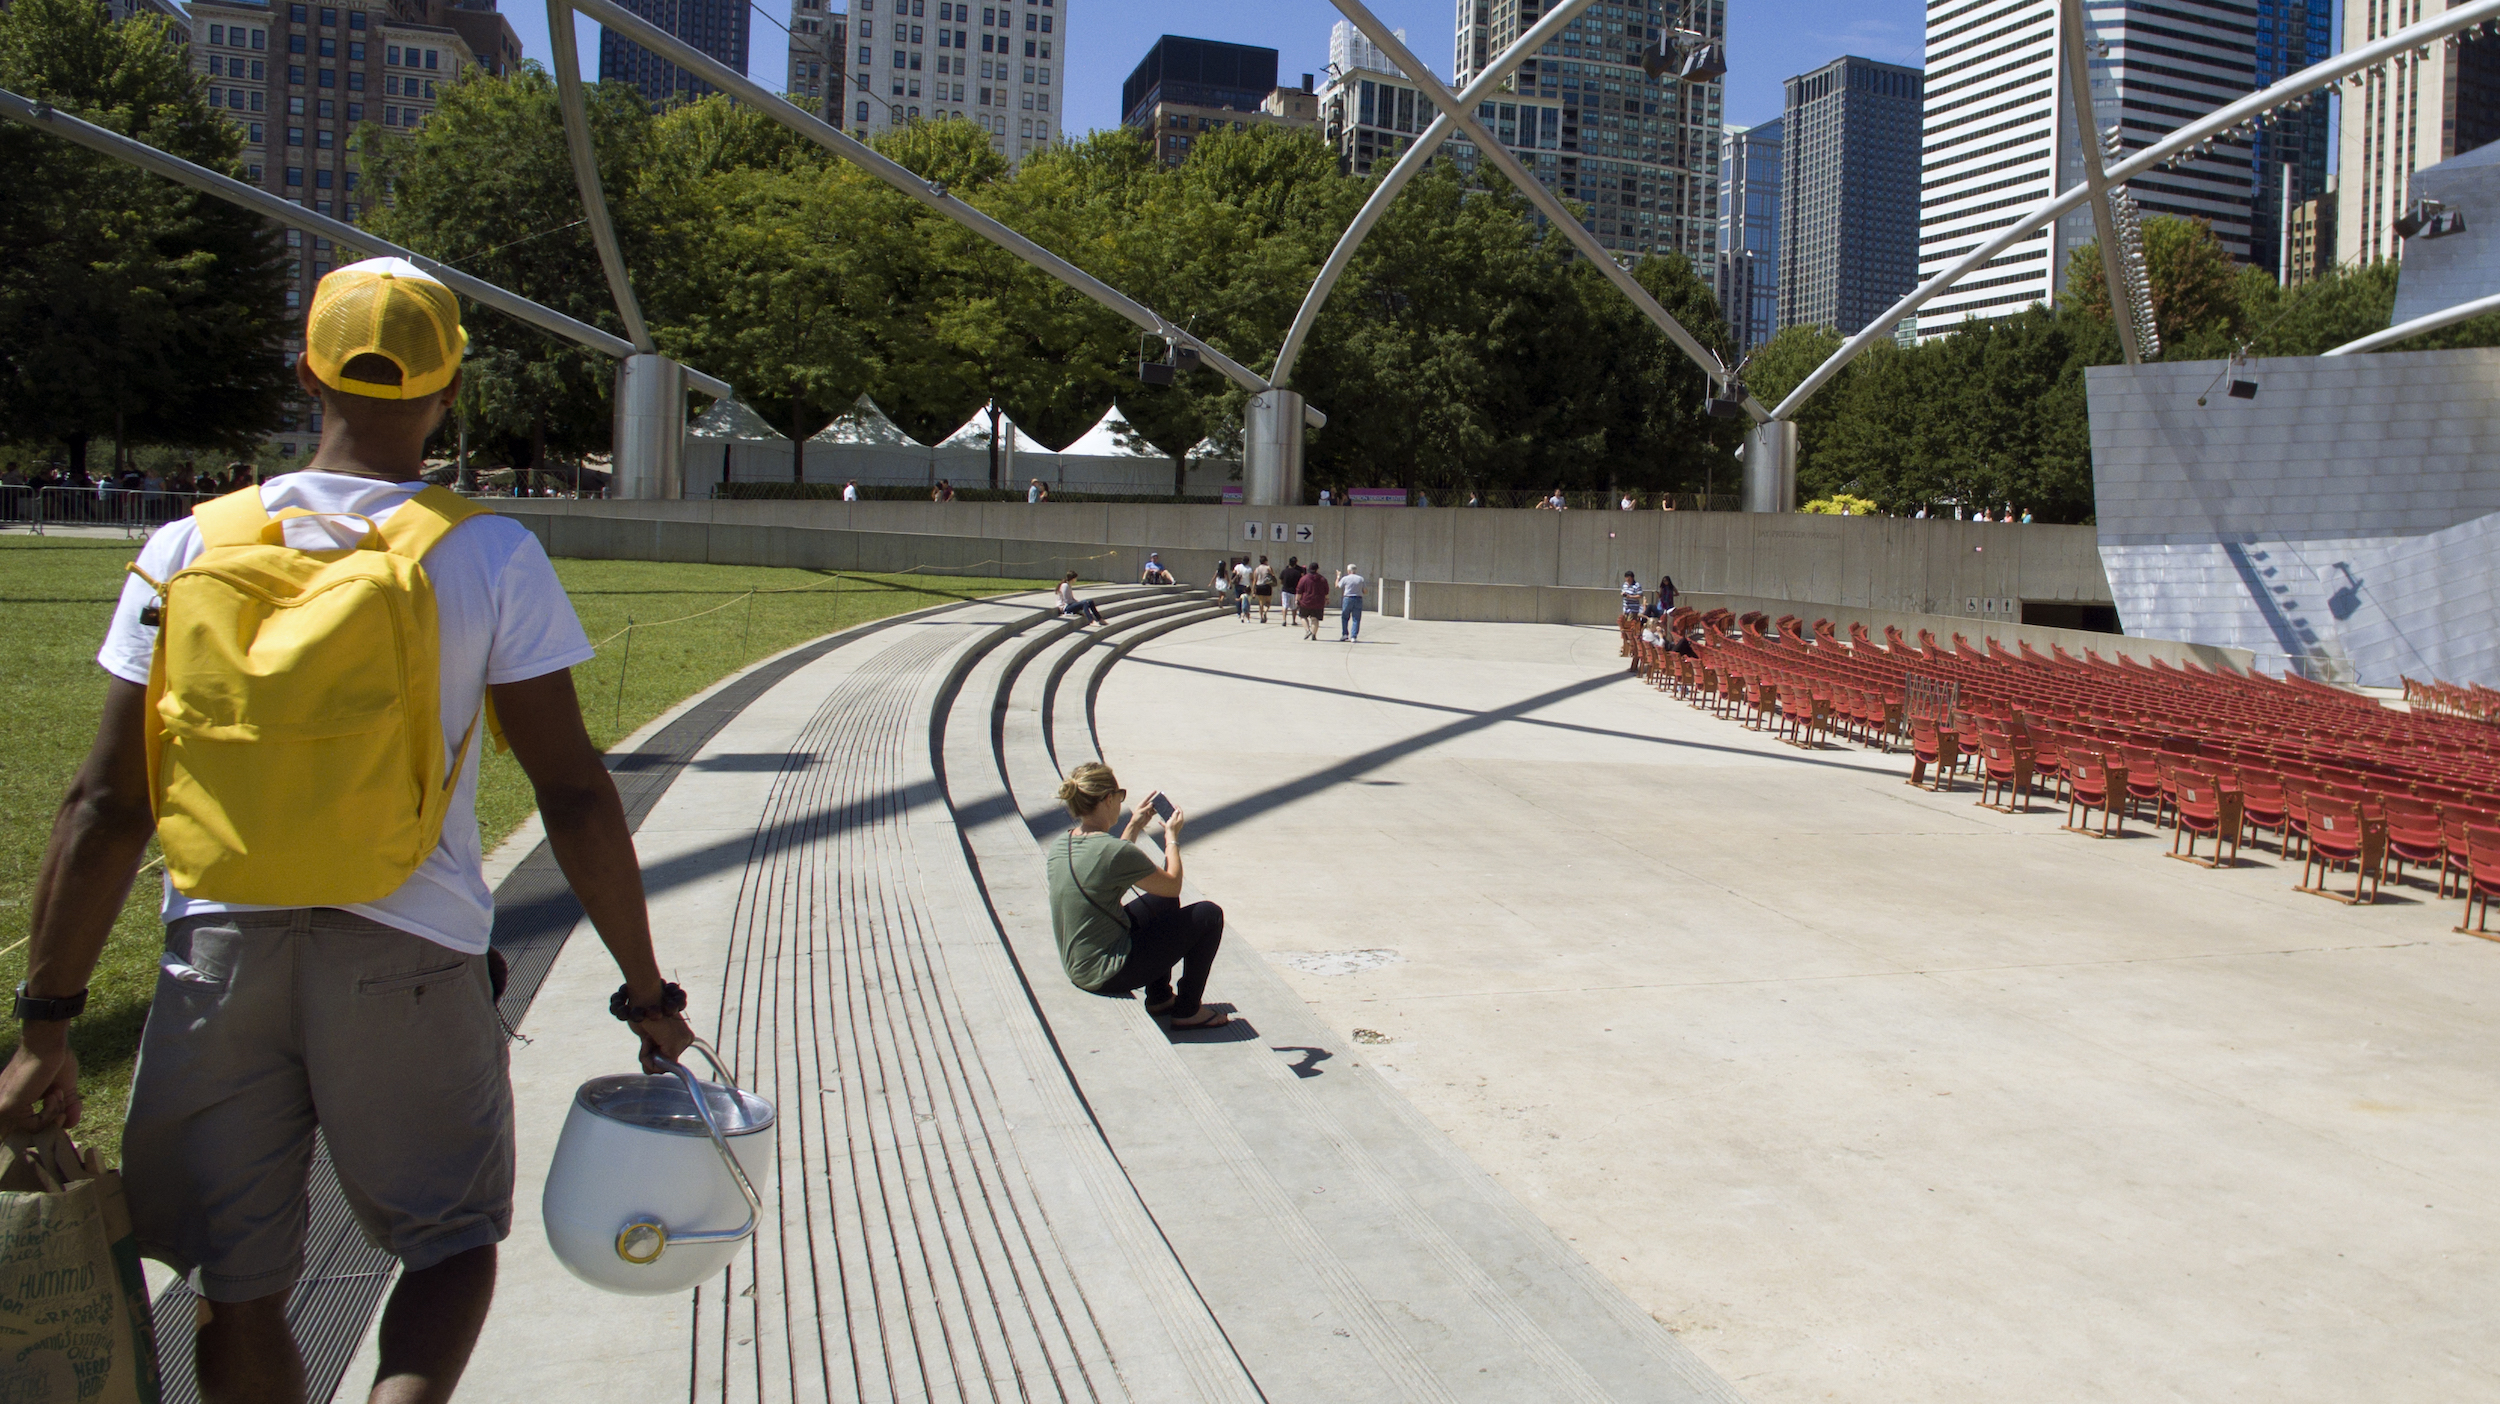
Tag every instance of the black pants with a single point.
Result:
(1163, 933)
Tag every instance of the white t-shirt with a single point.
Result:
(850, 492)
(504, 619)
(1351, 585)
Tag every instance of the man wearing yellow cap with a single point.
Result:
(371, 1021)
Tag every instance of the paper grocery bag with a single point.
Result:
(74, 1324)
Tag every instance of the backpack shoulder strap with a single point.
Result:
(232, 520)
(1079, 884)
(424, 520)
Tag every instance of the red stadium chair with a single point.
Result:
(2005, 773)
(1932, 745)
(2482, 880)
(2204, 807)
(2092, 783)
(2339, 835)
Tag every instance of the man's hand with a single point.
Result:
(664, 1041)
(39, 1088)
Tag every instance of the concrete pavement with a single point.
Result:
(1867, 1093)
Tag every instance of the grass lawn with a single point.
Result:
(56, 595)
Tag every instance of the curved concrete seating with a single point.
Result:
(992, 1184)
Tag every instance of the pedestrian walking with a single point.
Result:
(850, 491)
(326, 964)
(1310, 600)
(1241, 590)
(1350, 605)
(1289, 580)
(1263, 585)
(1632, 593)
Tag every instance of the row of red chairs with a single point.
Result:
(2331, 775)
(2472, 701)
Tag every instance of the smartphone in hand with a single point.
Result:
(1163, 805)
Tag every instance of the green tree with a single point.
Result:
(486, 184)
(1779, 366)
(135, 307)
(2196, 289)
(769, 305)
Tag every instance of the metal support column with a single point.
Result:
(2072, 38)
(1271, 459)
(650, 429)
(1771, 467)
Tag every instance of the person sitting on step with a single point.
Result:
(1110, 947)
(1070, 604)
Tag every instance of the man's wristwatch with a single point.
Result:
(621, 1004)
(37, 1009)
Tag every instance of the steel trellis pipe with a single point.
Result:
(43, 117)
(2316, 76)
(2096, 175)
(1409, 163)
(1546, 201)
(930, 193)
(2406, 331)
(568, 75)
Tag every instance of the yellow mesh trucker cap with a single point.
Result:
(385, 307)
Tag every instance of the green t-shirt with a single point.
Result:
(1093, 934)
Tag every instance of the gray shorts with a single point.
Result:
(269, 1024)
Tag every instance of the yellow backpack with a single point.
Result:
(295, 752)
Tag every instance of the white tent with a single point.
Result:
(732, 443)
(732, 420)
(1104, 440)
(963, 457)
(866, 425)
(976, 435)
(866, 445)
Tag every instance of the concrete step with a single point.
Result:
(1344, 1246)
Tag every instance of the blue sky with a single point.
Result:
(1768, 41)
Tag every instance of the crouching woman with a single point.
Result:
(1111, 947)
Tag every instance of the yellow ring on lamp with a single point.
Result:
(636, 1235)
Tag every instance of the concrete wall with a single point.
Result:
(1559, 604)
(1499, 604)
(2323, 525)
(1964, 569)
(1978, 632)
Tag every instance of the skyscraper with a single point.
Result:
(1999, 138)
(819, 49)
(994, 65)
(296, 81)
(2290, 152)
(1848, 242)
(717, 27)
(2405, 115)
(1184, 88)
(1748, 235)
(1349, 50)
(1640, 152)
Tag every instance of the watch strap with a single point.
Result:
(36, 1009)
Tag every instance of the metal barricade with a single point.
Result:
(1926, 699)
(21, 506)
(135, 511)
